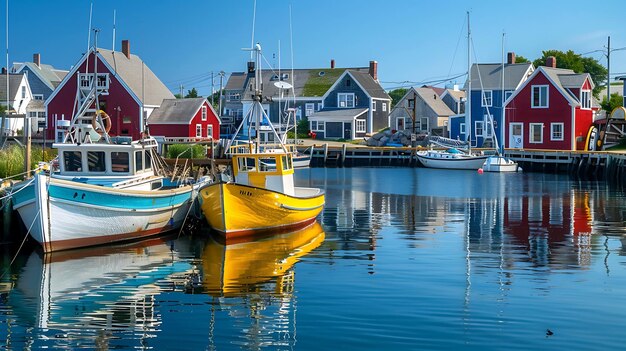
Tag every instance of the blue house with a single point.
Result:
(487, 97)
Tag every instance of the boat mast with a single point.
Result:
(6, 112)
(293, 87)
(468, 93)
(502, 116)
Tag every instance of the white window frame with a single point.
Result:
(531, 133)
(373, 105)
(209, 131)
(359, 126)
(422, 120)
(507, 94)
(553, 135)
(403, 123)
(585, 99)
(462, 128)
(483, 101)
(482, 128)
(532, 96)
(487, 131)
(198, 130)
(204, 113)
(344, 97)
(319, 106)
(23, 92)
(384, 107)
(37, 96)
(309, 108)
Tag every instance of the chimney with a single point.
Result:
(332, 63)
(374, 69)
(510, 58)
(551, 61)
(126, 48)
(4, 70)
(37, 59)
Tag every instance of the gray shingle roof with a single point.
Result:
(430, 97)
(368, 83)
(176, 111)
(235, 81)
(48, 74)
(573, 80)
(14, 83)
(491, 75)
(130, 70)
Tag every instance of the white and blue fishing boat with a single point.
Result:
(104, 189)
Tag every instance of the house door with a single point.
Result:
(400, 123)
(516, 135)
(347, 131)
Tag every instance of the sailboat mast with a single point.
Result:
(468, 93)
(293, 87)
(501, 105)
(257, 95)
(6, 112)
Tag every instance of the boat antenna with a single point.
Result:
(89, 38)
(253, 24)
(113, 45)
(6, 112)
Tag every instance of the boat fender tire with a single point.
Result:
(105, 119)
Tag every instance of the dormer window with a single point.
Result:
(585, 99)
(345, 100)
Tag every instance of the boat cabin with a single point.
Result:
(97, 161)
(272, 171)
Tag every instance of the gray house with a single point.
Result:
(425, 107)
(454, 99)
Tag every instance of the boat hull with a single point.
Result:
(453, 161)
(63, 215)
(239, 210)
(499, 165)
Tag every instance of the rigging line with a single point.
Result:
(457, 45)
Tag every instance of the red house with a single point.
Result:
(551, 110)
(134, 91)
(185, 118)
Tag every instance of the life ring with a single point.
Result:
(105, 119)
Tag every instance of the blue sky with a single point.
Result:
(414, 41)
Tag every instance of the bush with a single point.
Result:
(186, 151)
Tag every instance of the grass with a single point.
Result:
(318, 85)
(186, 151)
(12, 159)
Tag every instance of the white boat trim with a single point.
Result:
(118, 209)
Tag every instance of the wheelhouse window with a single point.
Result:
(246, 163)
(120, 162)
(345, 100)
(95, 161)
(286, 162)
(539, 96)
(585, 99)
(204, 113)
(138, 161)
(556, 131)
(487, 99)
(360, 126)
(148, 160)
(73, 161)
(536, 133)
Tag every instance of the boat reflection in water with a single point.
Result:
(110, 288)
(252, 288)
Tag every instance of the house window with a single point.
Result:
(348, 82)
(126, 120)
(204, 113)
(462, 128)
(423, 121)
(487, 131)
(345, 100)
(536, 133)
(507, 95)
(199, 130)
(317, 126)
(384, 107)
(585, 99)
(38, 96)
(319, 106)
(374, 105)
(410, 103)
(556, 131)
(479, 127)
(309, 108)
(23, 92)
(487, 100)
(539, 96)
(360, 126)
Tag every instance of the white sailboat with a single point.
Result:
(454, 158)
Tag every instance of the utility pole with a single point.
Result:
(212, 88)
(181, 91)
(608, 70)
(221, 89)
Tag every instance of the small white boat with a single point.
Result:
(500, 164)
(451, 159)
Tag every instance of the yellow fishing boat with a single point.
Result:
(260, 194)
(232, 269)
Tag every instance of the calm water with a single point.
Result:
(401, 259)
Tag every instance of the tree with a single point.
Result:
(193, 93)
(615, 101)
(521, 59)
(396, 95)
(178, 96)
(578, 64)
